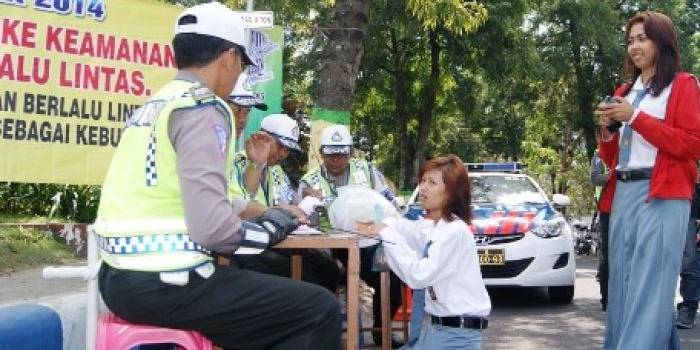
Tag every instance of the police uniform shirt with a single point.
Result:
(380, 184)
(447, 265)
(200, 137)
(284, 192)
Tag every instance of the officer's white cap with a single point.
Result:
(336, 139)
(243, 96)
(283, 128)
(214, 19)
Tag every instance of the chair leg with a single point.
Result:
(386, 310)
(296, 266)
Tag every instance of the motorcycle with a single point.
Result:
(584, 240)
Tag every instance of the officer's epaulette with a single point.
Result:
(201, 93)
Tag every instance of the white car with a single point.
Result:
(522, 240)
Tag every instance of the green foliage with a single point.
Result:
(69, 202)
(10, 218)
(580, 189)
(456, 16)
(20, 248)
(580, 47)
(412, 94)
(522, 86)
(518, 80)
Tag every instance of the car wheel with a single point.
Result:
(561, 294)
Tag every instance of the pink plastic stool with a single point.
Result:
(113, 333)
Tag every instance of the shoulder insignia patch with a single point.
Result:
(221, 138)
(200, 93)
(147, 114)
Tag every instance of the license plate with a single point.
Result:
(491, 256)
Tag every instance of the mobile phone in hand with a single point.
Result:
(616, 125)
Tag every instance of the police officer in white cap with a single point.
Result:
(258, 172)
(166, 228)
(259, 176)
(339, 168)
(242, 100)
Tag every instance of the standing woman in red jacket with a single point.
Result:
(652, 160)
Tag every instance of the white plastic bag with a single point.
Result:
(359, 203)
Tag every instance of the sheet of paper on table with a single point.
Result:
(306, 230)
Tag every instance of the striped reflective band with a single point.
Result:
(256, 237)
(155, 243)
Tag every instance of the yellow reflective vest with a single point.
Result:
(140, 222)
(274, 189)
(360, 174)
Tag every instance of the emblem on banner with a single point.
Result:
(260, 47)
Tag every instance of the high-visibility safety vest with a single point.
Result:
(360, 174)
(140, 221)
(274, 188)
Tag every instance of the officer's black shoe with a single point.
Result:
(395, 342)
(686, 316)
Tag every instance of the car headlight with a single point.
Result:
(549, 229)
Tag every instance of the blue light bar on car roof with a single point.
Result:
(510, 167)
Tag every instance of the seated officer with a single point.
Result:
(166, 228)
(340, 169)
(241, 100)
(258, 176)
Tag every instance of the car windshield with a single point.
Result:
(504, 190)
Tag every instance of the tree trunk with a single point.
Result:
(401, 113)
(584, 73)
(427, 109)
(342, 55)
(553, 182)
(340, 63)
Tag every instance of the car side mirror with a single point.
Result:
(561, 200)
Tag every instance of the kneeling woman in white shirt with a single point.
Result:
(438, 253)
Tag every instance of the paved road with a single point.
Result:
(27, 286)
(522, 319)
(525, 319)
